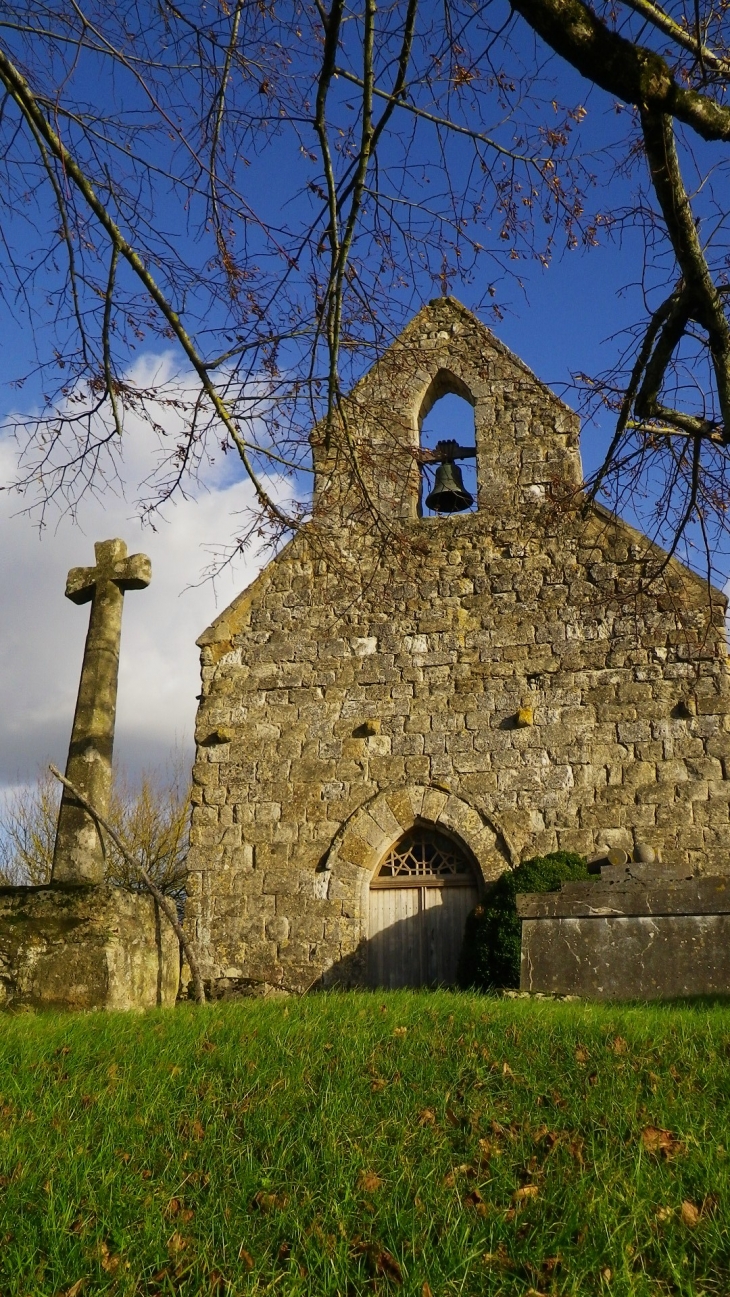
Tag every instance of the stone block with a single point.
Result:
(85, 948)
(639, 932)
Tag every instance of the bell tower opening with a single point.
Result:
(450, 418)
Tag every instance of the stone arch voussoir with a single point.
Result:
(372, 830)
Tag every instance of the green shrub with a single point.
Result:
(490, 954)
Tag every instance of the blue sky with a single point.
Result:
(559, 325)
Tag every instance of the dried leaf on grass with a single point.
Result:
(475, 1200)
(400, 1031)
(386, 1264)
(426, 1289)
(690, 1214)
(426, 1117)
(527, 1191)
(618, 1045)
(245, 1257)
(369, 1181)
(175, 1208)
(380, 1260)
(661, 1143)
(488, 1150)
(110, 1261)
(73, 1291)
(176, 1243)
(581, 1054)
(499, 1258)
(264, 1201)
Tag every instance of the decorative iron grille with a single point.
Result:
(425, 853)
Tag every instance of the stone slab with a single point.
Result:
(85, 948)
(637, 932)
(630, 892)
(642, 957)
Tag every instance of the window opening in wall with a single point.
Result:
(451, 418)
(424, 856)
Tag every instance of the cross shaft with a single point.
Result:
(79, 854)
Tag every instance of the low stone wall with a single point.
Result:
(637, 932)
(85, 948)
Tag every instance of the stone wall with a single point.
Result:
(636, 933)
(76, 947)
(503, 673)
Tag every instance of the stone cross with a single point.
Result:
(79, 855)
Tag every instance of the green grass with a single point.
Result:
(352, 1144)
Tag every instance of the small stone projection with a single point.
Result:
(391, 716)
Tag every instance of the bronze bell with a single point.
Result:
(449, 494)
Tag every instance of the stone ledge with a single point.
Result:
(631, 890)
(85, 948)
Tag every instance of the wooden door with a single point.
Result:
(395, 955)
(446, 909)
(416, 933)
(419, 899)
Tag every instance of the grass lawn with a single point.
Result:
(414, 1143)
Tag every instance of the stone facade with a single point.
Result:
(505, 674)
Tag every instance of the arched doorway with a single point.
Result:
(420, 896)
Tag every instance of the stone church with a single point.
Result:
(406, 702)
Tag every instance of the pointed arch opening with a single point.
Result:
(447, 414)
(420, 896)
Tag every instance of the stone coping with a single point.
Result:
(631, 890)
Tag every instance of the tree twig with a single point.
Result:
(163, 901)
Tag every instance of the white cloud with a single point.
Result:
(43, 633)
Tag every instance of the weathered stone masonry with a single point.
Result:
(336, 714)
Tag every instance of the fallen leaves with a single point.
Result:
(499, 1258)
(475, 1201)
(427, 1117)
(110, 1261)
(661, 1143)
(527, 1191)
(177, 1244)
(690, 1214)
(246, 1258)
(581, 1054)
(618, 1045)
(266, 1202)
(465, 1168)
(192, 1129)
(369, 1181)
(176, 1208)
(488, 1150)
(380, 1260)
(400, 1032)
